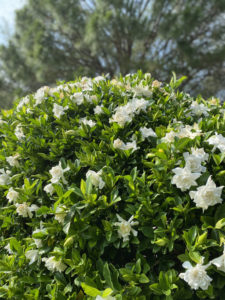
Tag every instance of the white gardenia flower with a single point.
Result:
(77, 98)
(118, 144)
(214, 101)
(141, 90)
(97, 79)
(12, 195)
(131, 145)
(19, 132)
(32, 255)
(49, 189)
(23, 102)
(184, 178)
(39, 96)
(146, 132)
(139, 105)
(57, 173)
(4, 177)
(219, 262)
(183, 131)
(96, 179)
(124, 114)
(60, 214)
(58, 110)
(147, 75)
(200, 153)
(125, 227)
(98, 110)
(193, 163)
(187, 131)
(207, 195)
(85, 121)
(169, 137)
(105, 298)
(196, 276)
(54, 265)
(121, 116)
(218, 141)
(199, 109)
(13, 160)
(8, 248)
(86, 84)
(26, 211)
(156, 84)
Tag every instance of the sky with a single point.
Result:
(7, 17)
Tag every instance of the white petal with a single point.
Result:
(186, 265)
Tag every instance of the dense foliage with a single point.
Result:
(58, 39)
(112, 190)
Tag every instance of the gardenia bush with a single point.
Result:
(113, 189)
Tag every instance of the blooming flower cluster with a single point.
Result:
(59, 110)
(85, 121)
(184, 178)
(12, 195)
(147, 132)
(218, 141)
(118, 144)
(182, 132)
(96, 179)
(4, 177)
(24, 210)
(13, 160)
(60, 213)
(207, 195)
(196, 276)
(199, 109)
(32, 255)
(124, 114)
(57, 174)
(52, 264)
(125, 227)
(19, 132)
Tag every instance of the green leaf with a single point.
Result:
(220, 224)
(138, 266)
(83, 186)
(107, 275)
(43, 210)
(195, 256)
(90, 291)
(163, 281)
(107, 292)
(201, 239)
(78, 192)
(143, 278)
(192, 233)
(156, 288)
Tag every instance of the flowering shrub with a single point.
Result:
(112, 190)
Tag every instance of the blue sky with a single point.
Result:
(7, 17)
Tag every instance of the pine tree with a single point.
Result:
(58, 40)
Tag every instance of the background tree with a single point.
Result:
(58, 40)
